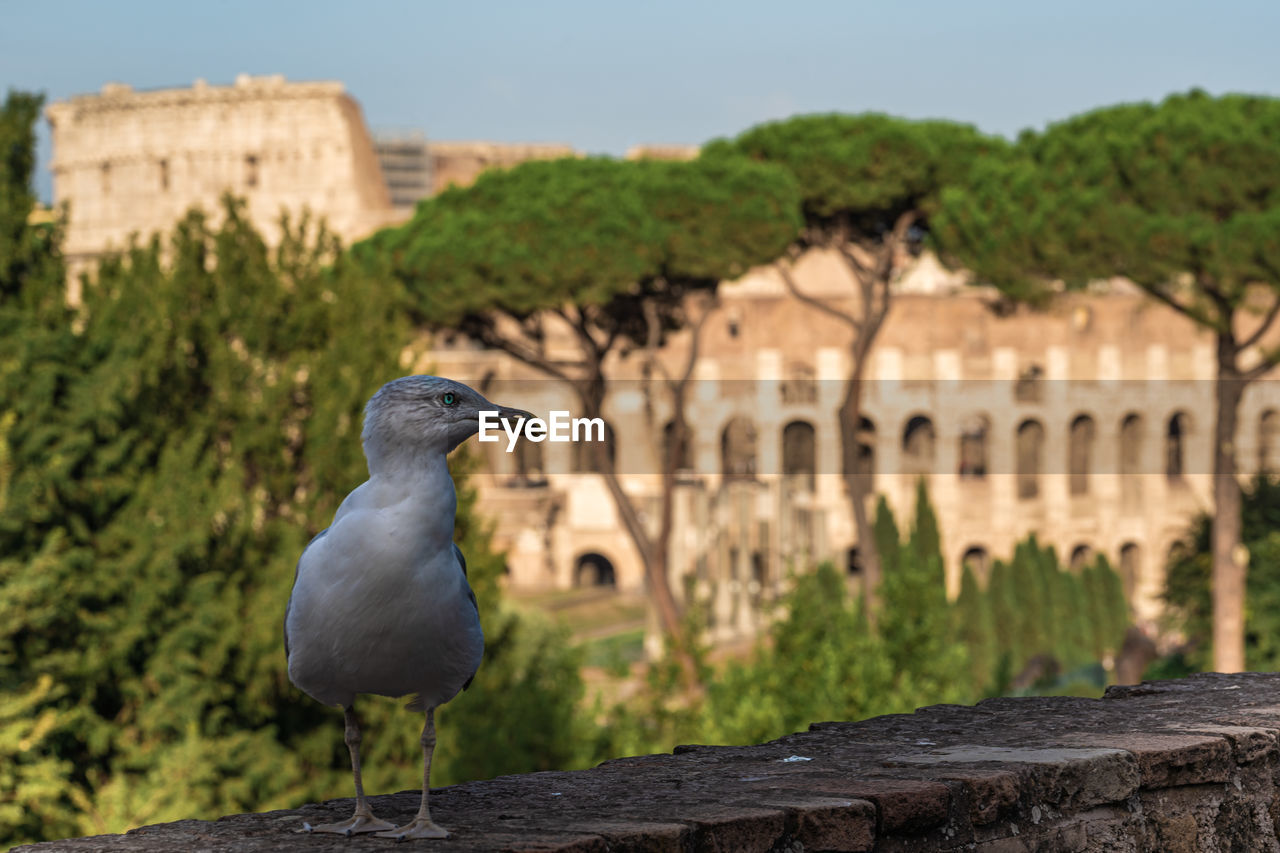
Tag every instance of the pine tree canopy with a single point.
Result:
(594, 233)
(858, 173)
(1182, 197)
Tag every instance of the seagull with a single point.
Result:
(380, 601)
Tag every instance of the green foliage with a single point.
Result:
(885, 531)
(975, 629)
(825, 661)
(916, 623)
(859, 172)
(1040, 610)
(167, 455)
(1187, 587)
(1152, 192)
(824, 664)
(589, 232)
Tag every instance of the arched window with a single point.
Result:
(684, 455)
(1269, 442)
(1081, 557)
(738, 449)
(592, 569)
(973, 447)
(1175, 446)
(583, 453)
(1080, 454)
(1030, 456)
(1131, 461)
(977, 560)
(864, 463)
(1130, 566)
(799, 454)
(917, 446)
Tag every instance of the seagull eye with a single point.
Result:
(450, 398)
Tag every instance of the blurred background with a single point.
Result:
(932, 350)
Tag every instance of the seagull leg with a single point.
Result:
(422, 826)
(363, 820)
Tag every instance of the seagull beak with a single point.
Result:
(507, 413)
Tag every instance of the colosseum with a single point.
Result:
(1088, 423)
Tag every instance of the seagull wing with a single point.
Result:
(462, 561)
(296, 569)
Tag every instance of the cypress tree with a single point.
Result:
(974, 628)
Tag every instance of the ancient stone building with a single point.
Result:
(1088, 423)
(133, 162)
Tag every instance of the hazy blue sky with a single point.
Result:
(604, 75)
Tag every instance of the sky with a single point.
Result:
(602, 76)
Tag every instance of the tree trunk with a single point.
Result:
(857, 483)
(1228, 567)
(591, 393)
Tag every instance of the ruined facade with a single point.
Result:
(132, 163)
(1089, 424)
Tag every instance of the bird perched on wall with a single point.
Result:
(381, 602)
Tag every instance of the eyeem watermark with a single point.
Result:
(561, 427)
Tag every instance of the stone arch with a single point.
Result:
(1177, 431)
(1080, 454)
(974, 432)
(1131, 429)
(918, 440)
(594, 569)
(799, 454)
(738, 449)
(1081, 556)
(583, 453)
(1130, 567)
(1269, 442)
(978, 560)
(1029, 458)
(864, 460)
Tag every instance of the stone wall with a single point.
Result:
(1165, 767)
(132, 162)
(949, 357)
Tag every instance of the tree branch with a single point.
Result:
(814, 302)
(694, 347)
(1269, 360)
(653, 335)
(1185, 310)
(1272, 313)
(521, 350)
(522, 354)
(860, 270)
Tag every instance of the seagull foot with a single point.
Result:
(354, 825)
(416, 828)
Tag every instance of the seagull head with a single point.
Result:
(416, 414)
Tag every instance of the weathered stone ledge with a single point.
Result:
(1166, 766)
